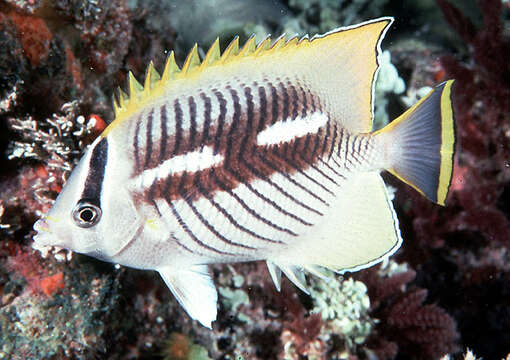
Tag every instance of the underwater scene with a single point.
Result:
(229, 192)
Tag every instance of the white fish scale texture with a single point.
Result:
(264, 208)
(285, 204)
(223, 225)
(310, 185)
(202, 232)
(179, 233)
(244, 218)
(300, 195)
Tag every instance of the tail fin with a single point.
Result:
(421, 144)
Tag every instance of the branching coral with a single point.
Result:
(300, 332)
(55, 142)
(343, 305)
(406, 325)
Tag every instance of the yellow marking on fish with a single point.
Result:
(447, 144)
(152, 224)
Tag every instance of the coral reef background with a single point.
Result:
(447, 289)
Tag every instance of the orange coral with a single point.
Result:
(53, 283)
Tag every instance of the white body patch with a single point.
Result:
(191, 162)
(284, 131)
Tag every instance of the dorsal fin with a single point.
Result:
(213, 54)
(116, 106)
(263, 46)
(292, 42)
(192, 61)
(279, 43)
(249, 47)
(151, 77)
(135, 88)
(351, 47)
(231, 50)
(123, 98)
(171, 69)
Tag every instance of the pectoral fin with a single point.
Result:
(195, 291)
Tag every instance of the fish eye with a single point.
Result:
(86, 214)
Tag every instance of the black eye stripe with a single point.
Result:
(97, 167)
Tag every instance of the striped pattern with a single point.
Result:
(97, 167)
(237, 169)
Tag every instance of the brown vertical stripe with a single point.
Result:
(164, 134)
(193, 122)
(148, 140)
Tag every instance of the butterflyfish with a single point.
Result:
(260, 152)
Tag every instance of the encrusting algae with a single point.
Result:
(263, 152)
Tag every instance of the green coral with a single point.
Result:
(232, 299)
(344, 306)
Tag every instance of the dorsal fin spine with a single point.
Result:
(116, 107)
(231, 51)
(135, 88)
(171, 68)
(192, 61)
(293, 41)
(249, 47)
(278, 44)
(263, 46)
(213, 54)
(122, 99)
(151, 78)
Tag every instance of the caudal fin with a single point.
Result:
(421, 144)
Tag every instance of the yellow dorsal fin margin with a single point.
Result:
(279, 43)
(116, 107)
(125, 106)
(292, 42)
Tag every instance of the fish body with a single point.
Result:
(260, 153)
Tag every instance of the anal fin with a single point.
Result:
(194, 289)
(276, 274)
(360, 230)
(294, 273)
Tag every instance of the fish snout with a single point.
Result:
(42, 228)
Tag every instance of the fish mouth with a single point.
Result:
(42, 236)
(41, 225)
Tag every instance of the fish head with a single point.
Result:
(72, 221)
(93, 214)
